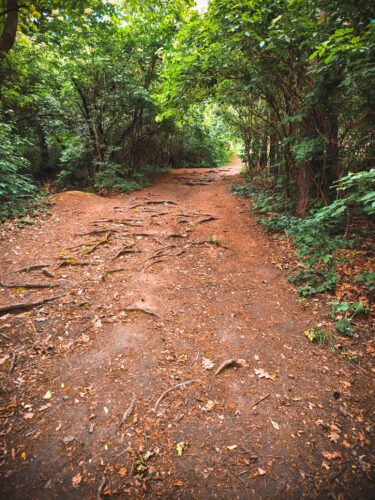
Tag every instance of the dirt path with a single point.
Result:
(194, 287)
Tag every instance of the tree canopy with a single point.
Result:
(105, 94)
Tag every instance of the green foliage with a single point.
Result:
(348, 311)
(315, 242)
(369, 278)
(241, 189)
(16, 187)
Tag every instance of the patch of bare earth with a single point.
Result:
(160, 288)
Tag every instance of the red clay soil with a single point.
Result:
(193, 287)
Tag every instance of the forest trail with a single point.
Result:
(177, 279)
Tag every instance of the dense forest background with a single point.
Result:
(104, 94)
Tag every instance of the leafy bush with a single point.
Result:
(16, 187)
(348, 311)
(314, 238)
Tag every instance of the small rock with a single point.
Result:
(69, 439)
(291, 376)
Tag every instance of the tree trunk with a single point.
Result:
(8, 35)
(307, 167)
(263, 150)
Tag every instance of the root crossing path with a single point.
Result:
(171, 360)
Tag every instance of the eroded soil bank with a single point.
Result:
(159, 288)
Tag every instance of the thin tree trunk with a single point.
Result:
(263, 150)
(307, 167)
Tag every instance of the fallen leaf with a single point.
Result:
(331, 456)
(123, 472)
(209, 406)
(207, 364)
(325, 465)
(262, 374)
(48, 395)
(28, 415)
(261, 472)
(276, 425)
(233, 447)
(334, 437)
(180, 448)
(76, 480)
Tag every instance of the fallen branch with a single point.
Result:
(32, 268)
(259, 401)
(226, 364)
(29, 285)
(127, 413)
(12, 364)
(28, 305)
(181, 384)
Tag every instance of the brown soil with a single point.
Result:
(191, 289)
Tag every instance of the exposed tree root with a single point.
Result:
(208, 219)
(32, 268)
(124, 251)
(72, 262)
(154, 203)
(29, 285)
(181, 384)
(226, 364)
(28, 305)
(139, 308)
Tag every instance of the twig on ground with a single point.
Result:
(101, 487)
(48, 273)
(28, 305)
(240, 474)
(127, 413)
(181, 384)
(5, 336)
(225, 364)
(259, 401)
(13, 362)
